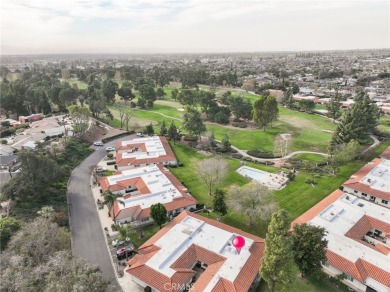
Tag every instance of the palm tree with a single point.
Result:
(109, 200)
(47, 212)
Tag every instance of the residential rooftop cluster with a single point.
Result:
(357, 221)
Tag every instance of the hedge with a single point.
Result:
(260, 153)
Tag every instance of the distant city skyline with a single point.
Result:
(191, 26)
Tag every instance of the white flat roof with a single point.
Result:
(379, 177)
(153, 145)
(195, 231)
(161, 188)
(341, 216)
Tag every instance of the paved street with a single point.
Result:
(87, 236)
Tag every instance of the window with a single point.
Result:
(355, 191)
(136, 165)
(385, 202)
(364, 194)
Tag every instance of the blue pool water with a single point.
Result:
(254, 174)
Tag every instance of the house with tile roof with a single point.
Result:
(194, 253)
(372, 182)
(141, 152)
(358, 234)
(140, 188)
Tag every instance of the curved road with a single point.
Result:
(88, 239)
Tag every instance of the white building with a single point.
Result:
(358, 240)
(139, 188)
(371, 182)
(143, 152)
(194, 252)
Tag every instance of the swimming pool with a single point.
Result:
(252, 173)
(270, 180)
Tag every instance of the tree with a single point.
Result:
(309, 247)
(175, 93)
(46, 212)
(109, 89)
(249, 85)
(173, 133)
(125, 91)
(307, 105)
(163, 129)
(109, 200)
(149, 129)
(265, 110)
(333, 107)
(358, 120)
(188, 97)
(158, 214)
(219, 204)
(148, 95)
(278, 261)
(253, 200)
(80, 117)
(225, 144)
(128, 113)
(39, 239)
(344, 153)
(8, 226)
(283, 144)
(288, 99)
(160, 93)
(97, 103)
(211, 171)
(241, 107)
(193, 122)
(37, 179)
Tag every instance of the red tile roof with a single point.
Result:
(386, 154)
(359, 270)
(360, 229)
(193, 253)
(354, 181)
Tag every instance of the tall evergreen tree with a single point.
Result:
(309, 249)
(219, 204)
(163, 129)
(278, 261)
(359, 120)
(333, 107)
(173, 133)
(193, 122)
(159, 214)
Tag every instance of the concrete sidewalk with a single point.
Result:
(125, 282)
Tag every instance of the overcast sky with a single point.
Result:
(137, 26)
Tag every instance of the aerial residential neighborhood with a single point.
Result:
(195, 146)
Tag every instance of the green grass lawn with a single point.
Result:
(80, 84)
(310, 157)
(384, 124)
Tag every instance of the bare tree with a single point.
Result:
(128, 114)
(121, 110)
(252, 199)
(211, 171)
(283, 144)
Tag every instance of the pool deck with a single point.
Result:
(270, 180)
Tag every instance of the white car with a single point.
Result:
(140, 134)
(98, 143)
(108, 149)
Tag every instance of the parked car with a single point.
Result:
(108, 149)
(100, 169)
(140, 134)
(121, 253)
(98, 143)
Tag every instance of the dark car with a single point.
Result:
(121, 253)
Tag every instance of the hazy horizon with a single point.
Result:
(38, 27)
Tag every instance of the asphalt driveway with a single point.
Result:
(88, 239)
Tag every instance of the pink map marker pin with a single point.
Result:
(238, 243)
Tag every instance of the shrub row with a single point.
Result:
(239, 124)
(260, 153)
